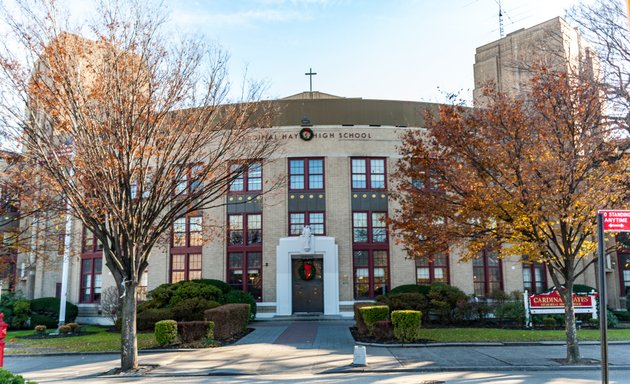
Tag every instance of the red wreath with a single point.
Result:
(307, 271)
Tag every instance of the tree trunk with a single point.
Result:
(573, 349)
(128, 335)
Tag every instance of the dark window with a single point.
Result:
(368, 173)
(244, 253)
(306, 174)
(435, 269)
(487, 275)
(534, 277)
(315, 220)
(370, 254)
(91, 268)
(246, 178)
(186, 256)
(623, 256)
(189, 180)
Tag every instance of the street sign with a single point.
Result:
(616, 220)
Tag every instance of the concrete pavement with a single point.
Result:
(318, 348)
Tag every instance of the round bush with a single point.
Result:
(410, 288)
(222, 285)
(192, 309)
(165, 332)
(191, 289)
(10, 378)
(146, 319)
(411, 300)
(48, 307)
(241, 297)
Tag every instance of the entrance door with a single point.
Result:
(308, 285)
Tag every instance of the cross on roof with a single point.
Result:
(310, 74)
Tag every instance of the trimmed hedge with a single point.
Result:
(410, 288)
(165, 332)
(190, 331)
(7, 377)
(192, 309)
(45, 311)
(383, 330)
(407, 325)
(146, 319)
(374, 313)
(230, 320)
(402, 301)
(191, 289)
(241, 297)
(362, 328)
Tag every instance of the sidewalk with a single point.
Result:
(321, 347)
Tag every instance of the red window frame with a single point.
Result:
(307, 220)
(431, 264)
(368, 173)
(482, 268)
(307, 173)
(183, 180)
(186, 257)
(246, 275)
(244, 176)
(91, 268)
(368, 255)
(535, 285)
(623, 261)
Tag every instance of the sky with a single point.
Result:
(375, 49)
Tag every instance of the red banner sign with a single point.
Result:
(615, 220)
(553, 299)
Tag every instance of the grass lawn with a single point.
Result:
(100, 341)
(515, 335)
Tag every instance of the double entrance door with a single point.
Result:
(308, 284)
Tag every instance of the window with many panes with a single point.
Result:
(370, 254)
(188, 180)
(306, 174)
(534, 277)
(487, 275)
(432, 270)
(623, 261)
(368, 173)
(186, 244)
(315, 220)
(91, 268)
(244, 253)
(246, 178)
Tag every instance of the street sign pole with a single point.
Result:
(603, 305)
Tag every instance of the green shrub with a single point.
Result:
(374, 313)
(192, 309)
(230, 320)
(7, 377)
(622, 315)
(444, 299)
(8, 303)
(469, 310)
(410, 288)
(21, 312)
(383, 330)
(511, 311)
(190, 289)
(550, 322)
(146, 319)
(358, 318)
(222, 285)
(190, 331)
(165, 332)
(240, 297)
(407, 325)
(611, 319)
(160, 297)
(399, 301)
(46, 311)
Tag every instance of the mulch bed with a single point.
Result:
(54, 336)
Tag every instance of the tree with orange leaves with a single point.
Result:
(523, 176)
(131, 131)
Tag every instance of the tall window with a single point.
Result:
(368, 173)
(244, 253)
(91, 268)
(534, 277)
(623, 260)
(432, 270)
(315, 220)
(370, 254)
(487, 274)
(188, 181)
(246, 178)
(186, 247)
(306, 174)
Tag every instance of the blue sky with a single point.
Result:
(376, 49)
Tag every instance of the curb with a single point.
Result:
(141, 352)
(488, 344)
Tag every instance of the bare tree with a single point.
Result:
(131, 131)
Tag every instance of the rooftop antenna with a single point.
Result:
(501, 31)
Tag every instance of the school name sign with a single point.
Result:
(548, 303)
